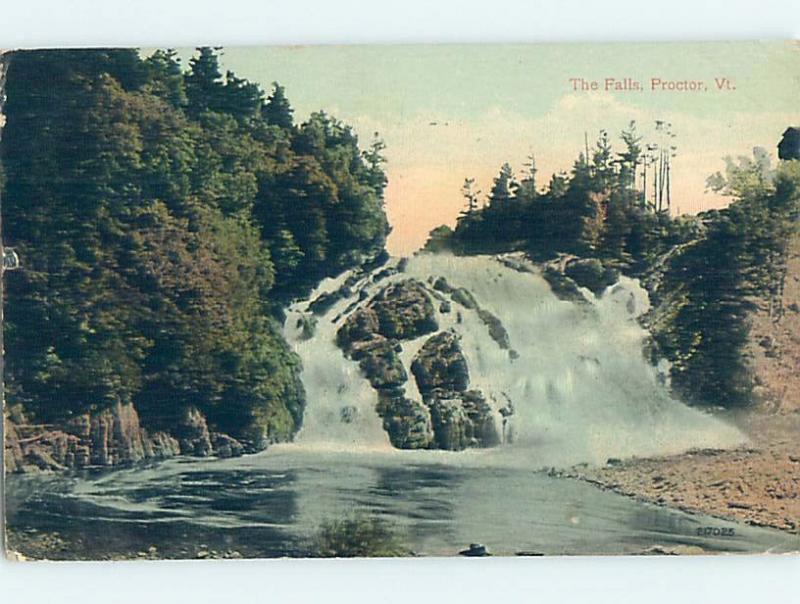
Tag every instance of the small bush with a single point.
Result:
(358, 536)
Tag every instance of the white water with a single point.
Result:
(581, 389)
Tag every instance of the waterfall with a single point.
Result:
(340, 408)
(576, 376)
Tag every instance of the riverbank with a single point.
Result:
(758, 484)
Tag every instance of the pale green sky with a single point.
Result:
(449, 111)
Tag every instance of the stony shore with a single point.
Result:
(758, 484)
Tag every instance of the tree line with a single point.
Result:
(165, 216)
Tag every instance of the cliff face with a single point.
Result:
(113, 437)
(774, 343)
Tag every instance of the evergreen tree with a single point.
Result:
(203, 82)
(166, 77)
(241, 99)
(471, 197)
(602, 166)
(526, 189)
(502, 187)
(557, 187)
(631, 157)
(277, 110)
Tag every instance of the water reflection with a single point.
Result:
(269, 506)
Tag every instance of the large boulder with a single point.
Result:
(461, 420)
(404, 310)
(591, 274)
(116, 436)
(450, 423)
(458, 294)
(161, 445)
(226, 446)
(482, 419)
(440, 364)
(193, 434)
(360, 326)
(383, 367)
(407, 422)
(496, 329)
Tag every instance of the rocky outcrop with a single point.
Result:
(460, 418)
(323, 303)
(563, 287)
(13, 457)
(591, 273)
(449, 422)
(115, 437)
(404, 310)
(773, 344)
(381, 364)
(371, 335)
(226, 446)
(112, 437)
(450, 416)
(109, 438)
(193, 434)
(496, 329)
(458, 294)
(407, 422)
(440, 364)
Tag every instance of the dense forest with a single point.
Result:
(165, 215)
(705, 273)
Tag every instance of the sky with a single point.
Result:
(448, 112)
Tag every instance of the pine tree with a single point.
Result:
(240, 98)
(631, 157)
(602, 166)
(502, 186)
(277, 110)
(471, 196)
(204, 85)
(526, 189)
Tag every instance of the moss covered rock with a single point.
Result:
(440, 364)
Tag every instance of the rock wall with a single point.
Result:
(112, 437)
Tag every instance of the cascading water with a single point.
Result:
(341, 403)
(576, 377)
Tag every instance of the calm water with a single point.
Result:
(270, 504)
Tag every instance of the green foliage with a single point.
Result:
(440, 239)
(357, 536)
(163, 221)
(716, 282)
